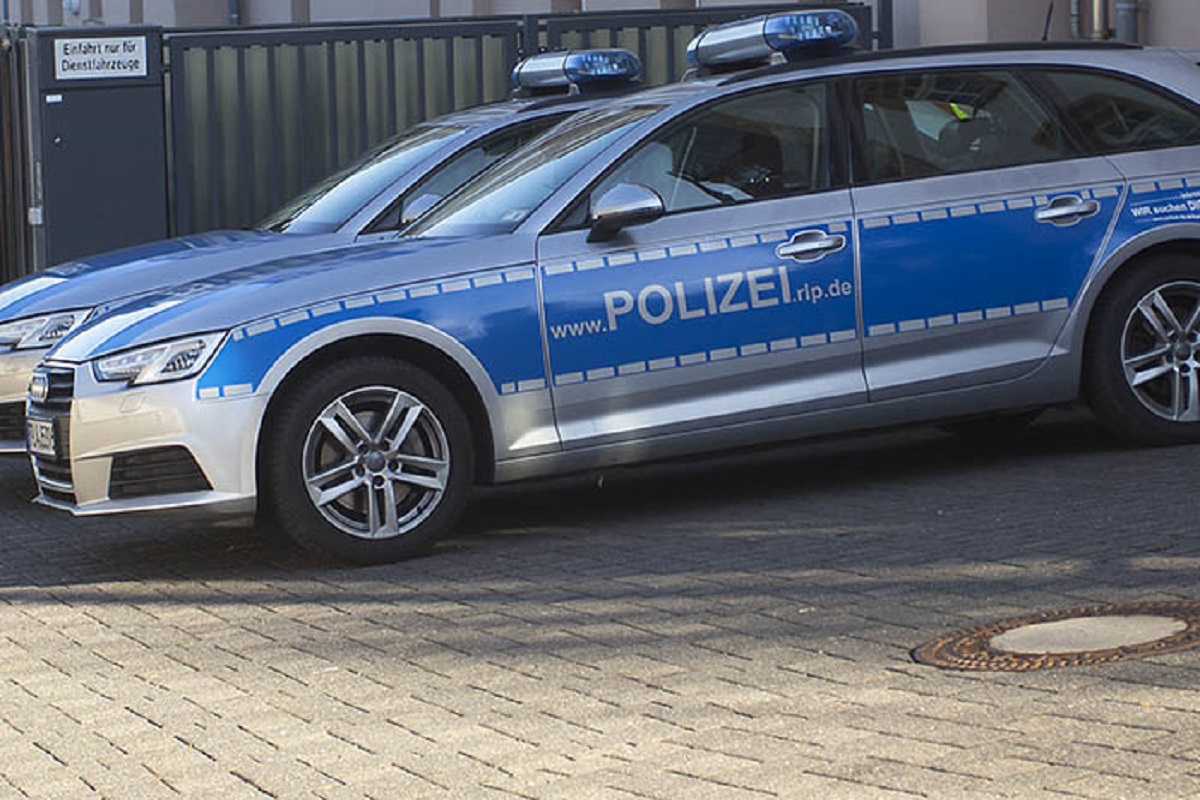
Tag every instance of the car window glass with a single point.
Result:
(1117, 115)
(502, 198)
(330, 203)
(753, 147)
(463, 166)
(924, 124)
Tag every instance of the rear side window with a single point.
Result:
(1118, 115)
(917, 125)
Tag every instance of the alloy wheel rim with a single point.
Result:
(376, 462)
(1160, 351)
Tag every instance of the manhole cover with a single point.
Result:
(1071, 638)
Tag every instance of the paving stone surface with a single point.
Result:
(723, 628)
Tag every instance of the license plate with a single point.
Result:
(41, 437)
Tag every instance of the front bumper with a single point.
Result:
(16, 368)
(145, 448)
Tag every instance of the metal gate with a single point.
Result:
(258, 115)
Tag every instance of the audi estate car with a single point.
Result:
(370, 200)
(839, 242)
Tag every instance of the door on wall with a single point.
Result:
(100, 143)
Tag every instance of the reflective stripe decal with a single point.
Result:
(692, 359)
(655, 254)
(462, 307)
(969, 317)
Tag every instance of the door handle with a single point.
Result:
(1066, 210)
(810, 245)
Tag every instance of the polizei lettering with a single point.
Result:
(680, 301)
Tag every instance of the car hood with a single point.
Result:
(108, 278)
(243, 296)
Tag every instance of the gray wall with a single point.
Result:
(1172, 23)
(954, 21)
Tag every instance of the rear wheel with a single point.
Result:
(1143, 360)
(369, 460)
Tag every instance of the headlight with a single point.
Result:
(158, 363)
(41, 332)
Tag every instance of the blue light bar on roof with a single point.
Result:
(576, 68)
(758, 38)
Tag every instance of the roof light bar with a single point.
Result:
(758, 38)
(576, 68)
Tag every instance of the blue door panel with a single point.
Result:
(696, 321)
(975, 262)
(963, 289)
(693, 303)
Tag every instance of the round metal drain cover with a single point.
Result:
(1072, 638)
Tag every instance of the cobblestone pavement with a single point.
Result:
(733, 628)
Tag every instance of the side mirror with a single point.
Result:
(621, 206)
(418, 207)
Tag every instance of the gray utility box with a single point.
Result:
(99, 160)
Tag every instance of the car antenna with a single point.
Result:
(1049, 19)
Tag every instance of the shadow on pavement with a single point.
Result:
(915, 531)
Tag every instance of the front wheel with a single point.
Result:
(1142, 365)
(369, 460)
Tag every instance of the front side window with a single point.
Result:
(1117, 115)
(917, 125)
(753, 147)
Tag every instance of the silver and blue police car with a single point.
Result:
(367, 201)
(843, 241)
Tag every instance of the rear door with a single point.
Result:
(978, 219)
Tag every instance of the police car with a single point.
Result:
(368, 201)
(843, 241)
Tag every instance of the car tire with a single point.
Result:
(369, 460)
(1142, 361)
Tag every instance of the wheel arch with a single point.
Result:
(1165, 240)
(423, 346)
(1154, 409)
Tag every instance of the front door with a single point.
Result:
(739, 304)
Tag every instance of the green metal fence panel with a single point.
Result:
(257, 115)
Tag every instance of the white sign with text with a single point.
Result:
(96, 59)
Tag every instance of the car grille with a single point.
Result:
(54, 474)
(163, 470)
(61, 390)
(12, 422)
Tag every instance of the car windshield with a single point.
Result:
(329, 204)
(502, 198)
